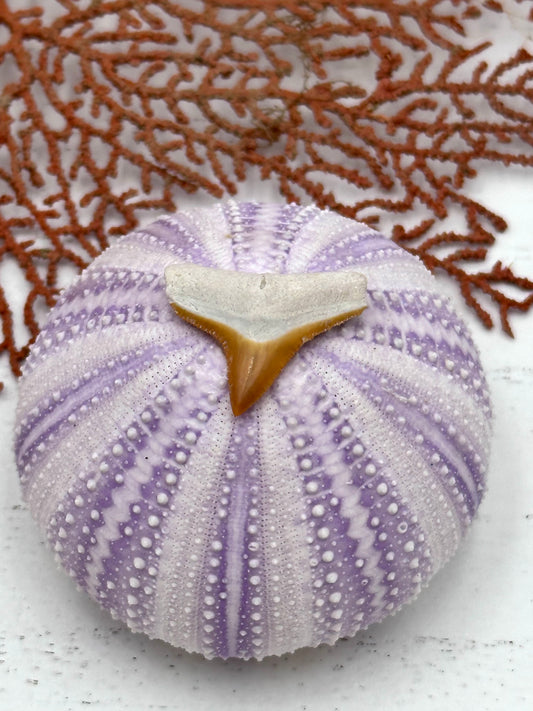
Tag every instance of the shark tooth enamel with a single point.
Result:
(251, 428)
(261, 320)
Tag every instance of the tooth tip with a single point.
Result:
(238, 407)
(252, 367)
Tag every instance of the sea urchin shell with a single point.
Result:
(323, 508)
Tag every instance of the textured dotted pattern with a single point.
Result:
(319, 511)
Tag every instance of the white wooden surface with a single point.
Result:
(466, 643)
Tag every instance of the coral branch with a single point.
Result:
(111, 110)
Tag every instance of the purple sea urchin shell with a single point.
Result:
(324, 508)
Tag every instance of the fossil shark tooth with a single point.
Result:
(261, 320)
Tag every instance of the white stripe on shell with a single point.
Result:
(429, 385)
(289, 606)
(348, 494)
(438, 520)
(106, 346)
(191, 529)
(96, 432)
(318, 235)
(207, 226)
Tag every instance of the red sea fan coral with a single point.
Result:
(382, 111)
